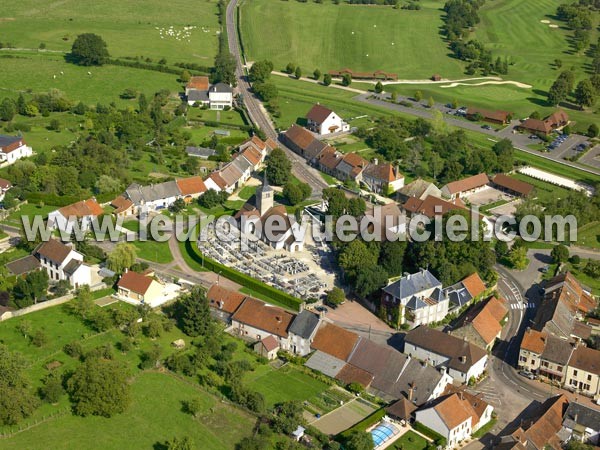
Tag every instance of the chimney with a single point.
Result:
(221, 303)
(576, 417)
(375, 161)
(278, 319)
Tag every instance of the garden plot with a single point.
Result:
(344, 417)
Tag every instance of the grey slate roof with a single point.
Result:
(557, 350)
(458, 294)
(201, 152)
(196, 95)
(139, 194)
(242, 164)
(412, 284)
(72, 266)
(588, 417)
(304, 324)
(23, 265)
(7, 140)
(221, 87)
(324, 363)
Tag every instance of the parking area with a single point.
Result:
(592, 157)
(487, 196)
(344, 417)
(507, 209)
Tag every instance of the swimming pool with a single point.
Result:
(383, 433)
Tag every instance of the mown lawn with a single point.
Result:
(154, 416)
(589, 235)
(157, 252)
(360, 37)
(410, 441)
(129, 28)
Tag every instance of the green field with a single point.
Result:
(410, 441)
(589, 235)
(154, 416)
(157, 252)
(359, 37)
(129, 28)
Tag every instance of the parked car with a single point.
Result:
(527, 374)
(321, 309)
(486, 127)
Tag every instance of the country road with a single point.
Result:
(259, 116)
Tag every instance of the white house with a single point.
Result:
(418, 297)
(155, 196)
(63, 263)
(302, 332)
(462, 358)
(5, 185)
(455, 416)
(322, 120)
(220, 96)
(13, 148)
(84, 212)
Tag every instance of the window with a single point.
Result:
(589, 377)
(573, 382)
(533, 361)
(558, 368)
(574, 373)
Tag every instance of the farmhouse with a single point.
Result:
(497, 117)
(123, 207)
(463, 359)
(455, 416)
(84, 212)
(432, 206)
(5, 185)
(303, 142)
(418, 298)
(191, 188)
(554, 121)
(63, 263)
(466, 186)
(302, 332)
(351, 167)
(13, 148)
(256, 320)
(264, 147)
(198, 83)
(218, 96)
(335, 341)
(532, 347)
(554, 359)
(383, 178)
(223, 302)
(419, 189)
(482, 324)
(511, 185)
(323, 121)
(138, 288)
(154, 197)
(217, 183)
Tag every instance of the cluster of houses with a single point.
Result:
(13, 148)
(199, 91)
(555, 121)
(552, 424)
(554, 346)
(417, 383)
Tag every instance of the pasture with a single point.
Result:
(129, 28)
(361, 37)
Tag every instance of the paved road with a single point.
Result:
(520, 141)
(258, 114)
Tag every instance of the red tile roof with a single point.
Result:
(385, 172)
(335, 341)
(454, 411)
(270, 343)
(587, 359)
(252, 155)
(262, 316)
(352, 374)
(5, 184)
(299, 136)
(329, 158)
(474, 284)
(500, 116)
(512, 184)
(82, 209)
(218, 179)
(432, 206)
(467, 184)
(191, 186)
(318, 114)
(534, 341)
(135, 282)
(224, 299)
(486, 326)
(121, 204)
(54, 250)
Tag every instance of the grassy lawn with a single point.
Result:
(545, 192)
(363, 38)
(154, 251)
(127, 29)
(35, 73)
(287, 383)
(589, 235)
(410, 441)
(155, 397)
(203, 133)
(231, 117)
(131, 225)
(31, 210)
(246, 192)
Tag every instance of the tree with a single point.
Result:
(52, 389)
(224, 69)
(337, 203)
(290, 68)
(327, 79)
(559, 253)
(298, 73)
(99, 387)
(177, 206)
(287, 416)
(296, 192)
(592, 130)
(184, 443)
(558, 63)
(122, 257)
(278, 167)
(378, 87)
(16, 401)
(150, 359)
(356, 207)
(260, 71)
(193, 313)
(354, 256)
(418, 96)
(335, 296)
(107, 184)
(211, 199)
(517, 257)
(266, 91)
(392, 257)
(39, 338)
(153, 328)
(21, 104)
(89, 49)
(32, 288)
(317, 74)
(185, 76)
(346, 79)
(430, 102)
(8, 109)
(369, 279)
(585, 94)
(359, 440)
(501, 248)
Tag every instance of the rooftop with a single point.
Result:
(335, 341)
(318, 114)
(135, 282)
(263, 316)
(467, 184)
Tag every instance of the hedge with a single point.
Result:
(51, 199)
(437, 438)
(363, 424)
(149, 66)
(244, 280)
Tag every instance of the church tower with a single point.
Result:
(264, 197)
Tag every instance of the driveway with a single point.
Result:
(355, 317)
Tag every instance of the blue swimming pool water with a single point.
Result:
(381, 433)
